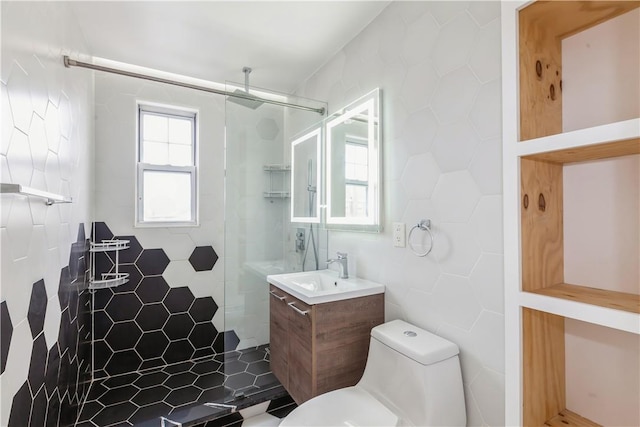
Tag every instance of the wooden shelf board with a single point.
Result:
(567, 418)
(598, 142)
(554, 301)
(565, 18)
(600, 297)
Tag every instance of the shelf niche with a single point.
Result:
(544, 231)
(571, 364)
(543, 26)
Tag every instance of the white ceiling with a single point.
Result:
(284, 42)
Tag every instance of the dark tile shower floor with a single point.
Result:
(179, 392)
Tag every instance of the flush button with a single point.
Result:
(410, 333)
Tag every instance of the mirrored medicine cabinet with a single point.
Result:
(336, 167)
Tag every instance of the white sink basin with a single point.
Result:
(315, 287)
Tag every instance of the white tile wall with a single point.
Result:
(47, 143)
(438, 64)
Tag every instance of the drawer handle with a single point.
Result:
(304, 313)
(273, 294)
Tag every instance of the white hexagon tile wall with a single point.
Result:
(438, 64)
(47, 144)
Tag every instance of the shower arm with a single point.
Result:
(68, 62)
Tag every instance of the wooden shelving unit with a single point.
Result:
(538, 299)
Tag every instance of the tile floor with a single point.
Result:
(179, 392)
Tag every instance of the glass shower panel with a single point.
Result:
(259, 238)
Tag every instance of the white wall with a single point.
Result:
(601, 73)
(438, 65)
(47, 143)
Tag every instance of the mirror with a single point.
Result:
(305, 178)
(353, 165)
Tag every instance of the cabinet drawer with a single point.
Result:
(302, 381)
(278, 335)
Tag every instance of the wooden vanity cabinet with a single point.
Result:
(322, 347)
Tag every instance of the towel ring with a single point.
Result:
(424, 225)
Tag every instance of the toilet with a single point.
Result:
(412, 378)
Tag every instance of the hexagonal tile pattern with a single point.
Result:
(486, 166)
(203, 258)
(454, 146)
(100, 231)
(267, 129)
(20, 98)
(203, 335)
(152, 262)
(37, 308)
(419, 131)
(420, 39)
(420, 83)
(152, 344)
(486, 57)
(152, 317)
(38, 142)
(458, 305)
(129, 256)
(457, 251)
(420, 176)
(7, 332)
(454, 44)
(456, 196)
(123, 362)
(487, 222)
(123, 335)
(203, 309)
(123, 307)
(454, 96)
(178, 326)
(179, 299)
(486, 114)
(178, 351)
(487, 279)
(152, 289)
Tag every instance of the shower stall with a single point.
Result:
(177, 340)
(260, 238)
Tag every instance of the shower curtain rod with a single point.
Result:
(68, 62)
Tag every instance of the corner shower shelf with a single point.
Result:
(274, 192)
(108, 280)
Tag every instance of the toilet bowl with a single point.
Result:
(412, 378)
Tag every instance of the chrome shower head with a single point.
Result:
(243, 97)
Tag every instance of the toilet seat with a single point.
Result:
(350, 407)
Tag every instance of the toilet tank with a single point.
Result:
(416, 374)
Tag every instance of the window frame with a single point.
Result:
(362, 142)
(166, 111)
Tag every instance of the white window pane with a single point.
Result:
(360, 173)
(356, 200)
(155, 128)
(167, 196)
(180, 131)
(180, 155)
(156, 153)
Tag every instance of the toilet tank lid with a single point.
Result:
(423, 347)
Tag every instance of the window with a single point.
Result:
(166, 166)
(356, 162)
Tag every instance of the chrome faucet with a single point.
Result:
(342, 261)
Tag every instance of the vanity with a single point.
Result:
(320, 328)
